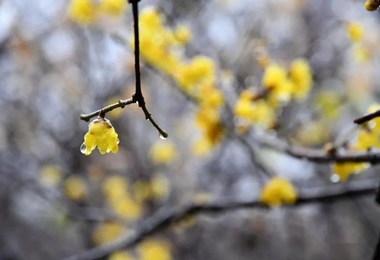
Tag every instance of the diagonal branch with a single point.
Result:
(167, 216)
(319, 155)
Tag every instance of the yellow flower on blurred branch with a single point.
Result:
(50, 175)
(278, 191)
(182, 34)
(113, 7)
(301, 75)
(115, 187)
(101, 134)
(120, 255)
(163, 152)
(344, 170)
(82, 11)
(354, 31)
(75, 188)
(107, 232)
(126, 208)
(154, 249)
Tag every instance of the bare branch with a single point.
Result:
(166, 216)
(120, 104)
(366, 118)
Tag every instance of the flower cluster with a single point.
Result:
(368, 137)
(281, 86)
(100, 134)
(162, 47)
(88, 11)
(278, 191)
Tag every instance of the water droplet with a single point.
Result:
(137, 102)
(83, 148)
(334, 178)
(117, 141)
(163, 137)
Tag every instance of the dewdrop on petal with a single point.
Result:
(100, 134)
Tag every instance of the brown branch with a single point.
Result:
(119, 104)
(366, 118)
(166, 216)
(319, 155)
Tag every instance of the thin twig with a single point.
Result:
(119, 104)
(166, 216)
(366, 118)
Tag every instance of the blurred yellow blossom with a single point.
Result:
(273, 76)
(301, 75)
(208, 121)
(313, 133)
(115, 187)
(163, 152)
(126, 208)
(154, 249)
(75, 188)
(120, 255)
(50, 175)
(278, 191)
(366, 139)
(82, 11)
(329, 103)
(107, 232)
(354, 31)
(344, 170)
(182, 34)
(360, 52)
(113, 7)
(102, 134)
(156, 188)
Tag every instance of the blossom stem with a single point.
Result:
(120, 104)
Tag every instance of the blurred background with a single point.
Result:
(56, 202)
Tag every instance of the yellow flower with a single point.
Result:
(156, 188)
(273, 76)
(328, 102)
(107, 232)
(278, 191)
(149, 17)
(113, 7)
(115, 187)
(354, 31)
(344, 170)
(50, 175)
(300, 74)
(361, 53)
(126, 207)
(75, 188)
(120, 255)
(154, 250)
(367, 139)
(163, 152)
(102, 134)
(182, 34)
(207, 119)
(82, 11)
(313, 133)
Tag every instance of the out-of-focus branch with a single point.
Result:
(165, 217)
(319, 155)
